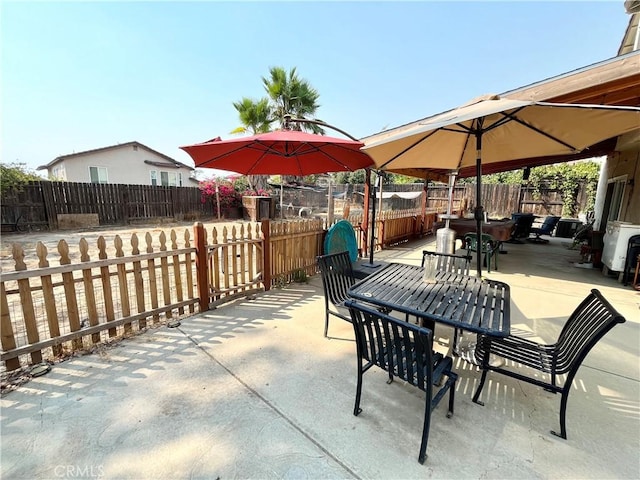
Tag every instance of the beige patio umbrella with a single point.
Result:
(493, 130)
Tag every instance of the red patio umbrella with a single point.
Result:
(281, 152)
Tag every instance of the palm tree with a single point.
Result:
(256, 117)
(290, 94)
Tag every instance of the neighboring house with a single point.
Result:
(615, 81)
(126, 163)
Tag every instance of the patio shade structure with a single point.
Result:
(492, 129)
(281, 152)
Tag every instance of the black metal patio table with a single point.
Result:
(474, 304)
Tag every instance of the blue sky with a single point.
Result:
(83, 75)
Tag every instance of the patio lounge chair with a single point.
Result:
(403, 350)
(522, 227)
(546, 228)
(337, 277)
(590, 321)
(489, 248)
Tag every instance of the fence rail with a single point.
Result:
(235, 262)
(48, 310)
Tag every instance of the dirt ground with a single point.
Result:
(29, 240)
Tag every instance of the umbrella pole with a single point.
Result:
(371, 194)
(478, 209)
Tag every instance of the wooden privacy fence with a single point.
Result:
(502, 200)
(51, 310)
(38, 204)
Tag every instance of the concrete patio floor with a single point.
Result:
(253, 390)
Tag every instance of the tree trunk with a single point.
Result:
(258, 182)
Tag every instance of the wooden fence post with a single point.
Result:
(49, 204)
(266, 254)
(124, 202)
(201, 265)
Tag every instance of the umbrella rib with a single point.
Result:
(257, 161)
(541, 132)
(418, 142)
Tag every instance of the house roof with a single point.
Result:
(173, 162)
(600, 81)
(615, 81)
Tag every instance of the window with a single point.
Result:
(179, 179)
(154, 177)
(168, 179)
(98, 174)
(613, 198)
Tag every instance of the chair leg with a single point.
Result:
(326, 321)
(480, 387)
(452, 393)
(456, 333)
(563, 416)
(425, 430)
(356, 408)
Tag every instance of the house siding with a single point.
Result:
(125, 165)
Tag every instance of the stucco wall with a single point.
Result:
(627, 163)
(124, 165)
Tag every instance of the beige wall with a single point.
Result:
(124, 165)
(627, 163)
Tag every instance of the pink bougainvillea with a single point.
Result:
(230, 197)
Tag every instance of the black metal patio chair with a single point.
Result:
(458, 264)
(337, 277)
(589, 322)
(449, 263)
(403, 350)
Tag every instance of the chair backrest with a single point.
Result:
(589, 322)
(549, 224)
(396, 346)
(337, 276)
(633, 250)
(341, 237)
(523, 223)
(488, 242)
(449, 263)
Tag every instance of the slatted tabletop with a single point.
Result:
(462, 301)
